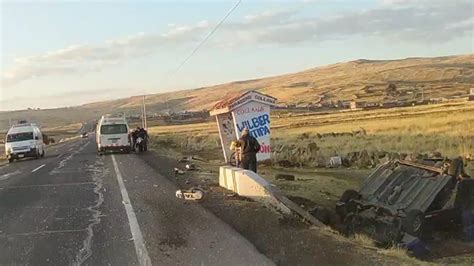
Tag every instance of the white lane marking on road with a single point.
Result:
(140, 248)
(44, 232)
(50, 185)
(8, 175)
(37, 168)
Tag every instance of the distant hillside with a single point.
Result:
(365, 80)
(439, 77)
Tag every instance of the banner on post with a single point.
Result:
(256, 117)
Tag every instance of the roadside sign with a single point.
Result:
(256, 117)
(248, 110)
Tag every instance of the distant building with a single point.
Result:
(389, 104)
(437, 100)
(471, 91)
(303, 105)
(346, 104)
(354, 105)
(371, 105)
(281, 106)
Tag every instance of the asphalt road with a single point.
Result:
(74, 207)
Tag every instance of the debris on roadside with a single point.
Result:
(191, 167)
(194, 194)
(178, 171)
(196, 158)
(286, 163)
(404, 197)
(184, 160)
(285, 177)
(415, 245)
(334, 162)
(188, 159)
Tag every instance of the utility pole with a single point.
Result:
(144, 121)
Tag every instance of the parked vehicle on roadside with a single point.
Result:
(112, 134)
(401, 197)
(24, 140)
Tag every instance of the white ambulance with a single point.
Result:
(24, 140)
(112, 134)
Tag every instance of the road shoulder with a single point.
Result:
(176, 231)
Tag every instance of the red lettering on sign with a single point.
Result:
(265, 149)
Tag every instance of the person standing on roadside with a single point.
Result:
(134, 136)
(144, 135)
(249, 147)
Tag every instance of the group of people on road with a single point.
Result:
(139, 132)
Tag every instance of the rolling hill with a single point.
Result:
(360, 79)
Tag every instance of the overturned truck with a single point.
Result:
(401, 197)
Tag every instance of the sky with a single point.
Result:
(66, 53)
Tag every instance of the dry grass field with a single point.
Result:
(444, 128)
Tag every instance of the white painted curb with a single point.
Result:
(249, 184)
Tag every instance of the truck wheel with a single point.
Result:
(413, 223)
(348, 206)
(233, 159)
(348, 195)
(42, 153)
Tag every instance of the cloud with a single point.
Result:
(67, 98)
(85, 58)
(401, 20)
(419, 21)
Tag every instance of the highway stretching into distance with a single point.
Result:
(74, 207)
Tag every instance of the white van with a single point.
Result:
(112, 134)
(24, 140)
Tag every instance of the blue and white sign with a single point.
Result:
(256, 117)
(249, 110)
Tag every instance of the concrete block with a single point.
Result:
(226, 177)
(249, 184)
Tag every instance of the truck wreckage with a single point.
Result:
(402, 199)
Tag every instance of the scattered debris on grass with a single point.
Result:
(178, 171)
(285, 177)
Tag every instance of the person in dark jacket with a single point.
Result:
(134, 136)
(144, 135)
(249, 147)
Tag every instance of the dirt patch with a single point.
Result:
(303, 202)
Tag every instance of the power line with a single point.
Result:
(207, 37)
